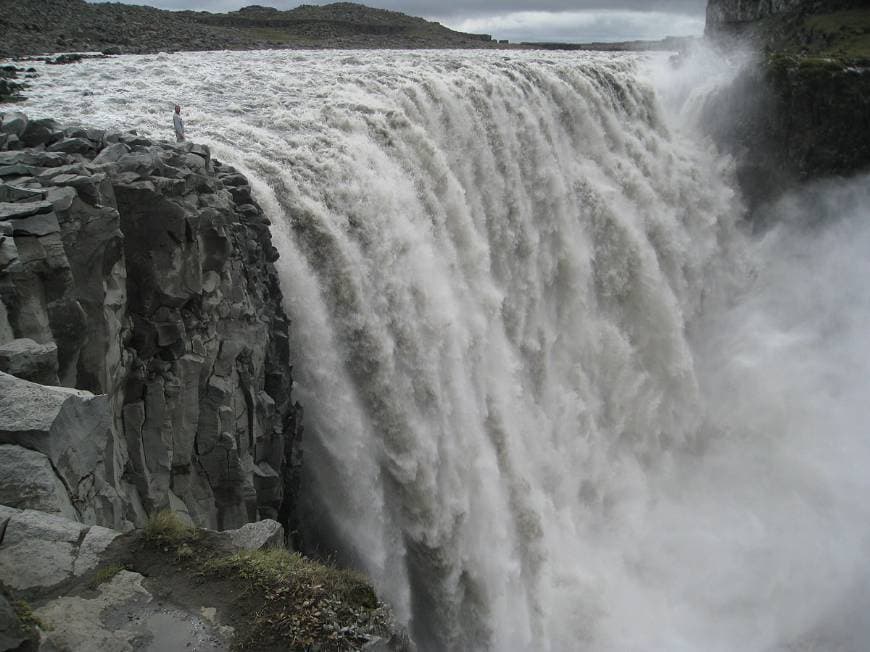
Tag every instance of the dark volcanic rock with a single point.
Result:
(732, 17)
(10, 90)
(145, 278)
(800, 109)
(26, 359)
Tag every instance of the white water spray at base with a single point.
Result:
(538, 413)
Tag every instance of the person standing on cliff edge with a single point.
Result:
(179, 124)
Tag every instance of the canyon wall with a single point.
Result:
(725, 15)
(144, 358)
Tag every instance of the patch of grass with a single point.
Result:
(165, 528)
(842, 34)
(278, 599)
(105, 574)
(304, 603)
(805, 63)
(856, 21)
(29, 620)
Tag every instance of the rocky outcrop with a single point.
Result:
(140, 274)
(788, 120)
(799, 109)
(721, 13)
(734, 16)
(82, 598)
(68, 586)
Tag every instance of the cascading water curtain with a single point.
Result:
(550, 387)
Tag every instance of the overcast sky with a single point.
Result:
(522, 20)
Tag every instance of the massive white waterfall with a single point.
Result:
(556, 396)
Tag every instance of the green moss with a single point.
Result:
(805, 67)
(847, 23)
(842, 34)
(105, 574)
(29, 620)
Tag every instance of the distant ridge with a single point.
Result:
(30, 27)
(669, 44)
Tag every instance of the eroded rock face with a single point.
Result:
(723, 12)
(798, 109)
(729, 14)
(142, 273)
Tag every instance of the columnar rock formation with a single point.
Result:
(137, 278)
(724, 12)
(733, 14)
(798, 111)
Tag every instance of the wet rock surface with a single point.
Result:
(798, 110)
(11, 84)
(79, 609)
(141, 274)
(165, 588)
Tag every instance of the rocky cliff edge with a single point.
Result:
(144, 359)
(798, 111)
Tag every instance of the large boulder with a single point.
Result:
(28, 481)
(13, 122)
(63, 548)
(255, 536)
(72, 428)
(30, 360)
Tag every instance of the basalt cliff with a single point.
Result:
(144, 359)
(149, 443)
(800, 109)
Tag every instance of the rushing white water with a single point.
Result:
(555, 400)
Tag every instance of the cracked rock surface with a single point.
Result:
(79, 611)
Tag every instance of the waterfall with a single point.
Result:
(555, 397)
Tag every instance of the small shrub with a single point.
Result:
(164, 527)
